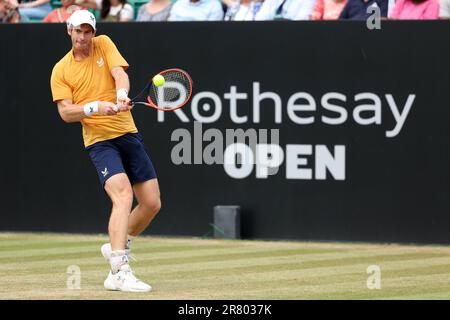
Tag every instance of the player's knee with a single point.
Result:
(153, 206)
(120, 191)
(124, 196)
(157, 205)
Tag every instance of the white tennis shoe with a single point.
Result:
(124, 280)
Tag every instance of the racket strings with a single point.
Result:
(177, 85)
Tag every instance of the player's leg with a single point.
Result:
(121, 276)
(107, 159)
(148, 197)
(119, 190)
(112, 175)
(142, 176)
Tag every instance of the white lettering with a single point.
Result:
(292, 107)
(375, 108)
(293, 161)
(268, 159)
(258, 97)
(332, 107)
(230, 161)
(400, 118)
(325, 160)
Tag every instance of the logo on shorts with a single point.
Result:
(105, 172)
(100, 62)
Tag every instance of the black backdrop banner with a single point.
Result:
(351, 127)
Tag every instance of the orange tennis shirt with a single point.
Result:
(91, 80)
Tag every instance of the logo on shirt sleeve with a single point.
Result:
(100, 62)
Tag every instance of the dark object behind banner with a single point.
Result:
(363, 120)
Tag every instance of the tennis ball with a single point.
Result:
(158, 80)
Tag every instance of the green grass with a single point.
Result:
(34, 266)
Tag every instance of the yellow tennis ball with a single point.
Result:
(158, 80)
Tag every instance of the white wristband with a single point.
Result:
(91, 108)
(122, 93)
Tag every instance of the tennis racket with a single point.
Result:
(172, 95)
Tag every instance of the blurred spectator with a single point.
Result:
(8, 12)
(63, 13)
(415, 10)
(196, 10)
(357, 9)
(115, 10)
(155, 10)
(328, 9)
(110, 10)
(33, 9)
(242, 10)
(286, 10)
(391, 5)
(445, 9)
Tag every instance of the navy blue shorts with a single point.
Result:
(124, 154)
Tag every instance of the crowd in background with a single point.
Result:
(14, 11)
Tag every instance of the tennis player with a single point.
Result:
(90, 85)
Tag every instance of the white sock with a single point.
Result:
(118, 259)
(129, 241)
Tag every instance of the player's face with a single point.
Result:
(81, 36)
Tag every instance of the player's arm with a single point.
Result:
(71, 112)
(122, 88)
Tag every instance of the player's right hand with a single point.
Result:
(107, 108)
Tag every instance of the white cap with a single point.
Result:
(79, 17)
